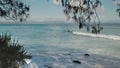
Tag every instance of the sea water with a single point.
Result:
(52, 45)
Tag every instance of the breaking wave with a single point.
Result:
(112, 37)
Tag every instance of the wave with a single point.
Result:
(112, 37)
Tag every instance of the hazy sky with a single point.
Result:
(42, 10)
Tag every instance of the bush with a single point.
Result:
(12, 54)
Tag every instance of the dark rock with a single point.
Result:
(76, 61)
(47, 66)
(87, 55)
(68, 54)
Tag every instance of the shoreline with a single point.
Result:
(76, 60)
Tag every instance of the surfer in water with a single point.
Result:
(68, 31)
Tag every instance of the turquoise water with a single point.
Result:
(52, 45)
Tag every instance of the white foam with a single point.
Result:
(28, 61)
(32, 65)
(112, 37)
(57, 65)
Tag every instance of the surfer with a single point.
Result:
(68, 31)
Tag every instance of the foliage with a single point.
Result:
(118, 10)
(117, 2)
(12, 54)
(84, 13)
(14, 10)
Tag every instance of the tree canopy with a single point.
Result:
(117, 3)
(84, 12)
(14, 10)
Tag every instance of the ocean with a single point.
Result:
(53, 46)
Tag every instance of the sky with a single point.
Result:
(46, 10)
(43, 10)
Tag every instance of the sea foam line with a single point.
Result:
(112, 37)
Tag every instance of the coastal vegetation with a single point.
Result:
(14, 10)
(118, 6)
(12, 54)
(84, 12)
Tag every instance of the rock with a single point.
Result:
(76, 61)
(68, 54)
(87, 55)
(47, 66)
